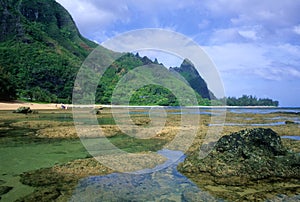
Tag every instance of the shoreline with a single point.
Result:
(38, 106)
(34, 106)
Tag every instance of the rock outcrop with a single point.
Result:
(245, 157)
(23, 110)
(192, 76)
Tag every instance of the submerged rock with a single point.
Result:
(246, 156)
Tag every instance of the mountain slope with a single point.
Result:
(42, 20)
(150, 94)
(41, 51)
(41, 47)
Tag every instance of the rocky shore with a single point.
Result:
(57, 183)
(249, 158)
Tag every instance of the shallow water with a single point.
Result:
(20, 153)
(161, 183)
(251, 124)
(291, 137)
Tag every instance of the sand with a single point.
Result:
(33, 106)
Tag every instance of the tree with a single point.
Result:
(249, 100)
(7, 88)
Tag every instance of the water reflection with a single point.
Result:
(291, 137)
(264, 110)
(250, 124)
(160, 185)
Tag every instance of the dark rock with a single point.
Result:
(97, 110)
(23, 110)
(286, 112)
(254, 142)
(246, 156)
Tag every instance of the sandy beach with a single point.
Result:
(34, 106)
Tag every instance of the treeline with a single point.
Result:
(249, 100)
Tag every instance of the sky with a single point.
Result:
(254, 44)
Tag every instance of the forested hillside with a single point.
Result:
(149, 94)
(40, 50)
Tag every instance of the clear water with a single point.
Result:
(155, 184)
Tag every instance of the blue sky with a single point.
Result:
(255, 44)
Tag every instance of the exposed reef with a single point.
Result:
(248, 159)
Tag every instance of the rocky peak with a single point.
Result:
(190, 73)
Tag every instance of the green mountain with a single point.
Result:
(189, 72)
(156, 84)
(41, 51)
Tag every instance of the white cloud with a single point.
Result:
(204, 23)
(274, 18)
(250, 34)
(95, 16)
(297, 29)
(230, 17)
(221, 36)
(276, 62)
(276, 72)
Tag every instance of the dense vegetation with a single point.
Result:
(249, 100)
(7, 90)
(145, 94)
(40, 50)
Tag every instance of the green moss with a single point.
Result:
(135, 145)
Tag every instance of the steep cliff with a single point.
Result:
(41, 47)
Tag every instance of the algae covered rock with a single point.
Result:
(246, 156)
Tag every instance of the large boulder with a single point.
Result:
(246, 156)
